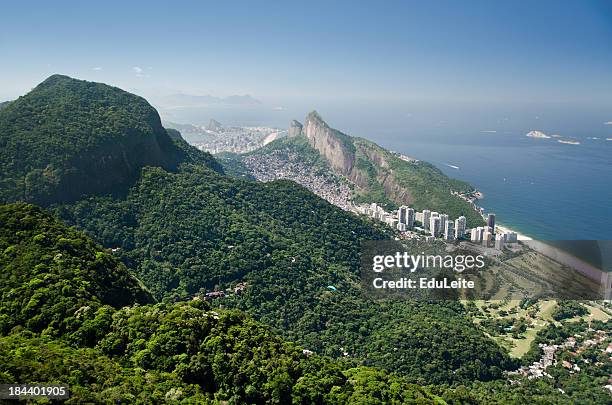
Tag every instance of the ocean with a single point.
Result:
(539, 187)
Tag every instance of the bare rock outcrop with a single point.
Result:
(334, 146)
(295, 129)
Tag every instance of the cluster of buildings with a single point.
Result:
(406, 219)
(487, 236)
(288, 165)
(238, 139)
(215, 138)
(599, 339)
(238, 288)
(439, 225)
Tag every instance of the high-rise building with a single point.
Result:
(434, 226)
(499, 242)
(474, 235)
(478, 234)
(401, 227)
(443, 219)
(487, 237)
(491, 221)
(449, 230)
(426, 219)
(460, 227)
(410, 217)
(402, 214)
(510, 237)
(419, 217)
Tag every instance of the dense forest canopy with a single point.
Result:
(68, 138)
(199, 230)
(70, 312)
(52, 274)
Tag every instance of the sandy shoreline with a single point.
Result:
(519, 235)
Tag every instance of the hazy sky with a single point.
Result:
(444, 53)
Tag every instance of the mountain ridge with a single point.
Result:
(379, 176)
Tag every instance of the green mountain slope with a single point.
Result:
(68, 137)
(196, 229)
(51, 273)
(379, 175)
(191, 230)
(71, 313)
(189, 352)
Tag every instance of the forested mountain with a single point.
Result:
(378, 175)
(68, 138)
(71, 313)
(51, 275)
(191, 230)
(77, 332)
(197, 229)
(269, 252)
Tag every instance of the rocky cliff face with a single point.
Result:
(330, 144)
(295, 129)
(342, 153)
(379, 175)
(384, 175)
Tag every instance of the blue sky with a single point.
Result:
(451, 54)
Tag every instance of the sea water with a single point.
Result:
(540, 187)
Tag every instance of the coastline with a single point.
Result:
(502, 228)
(520, 236)
(554, 253)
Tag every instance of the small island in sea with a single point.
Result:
(537, 134)
(569, 141)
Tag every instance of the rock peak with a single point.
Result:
(214, 125)
(316, 117)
